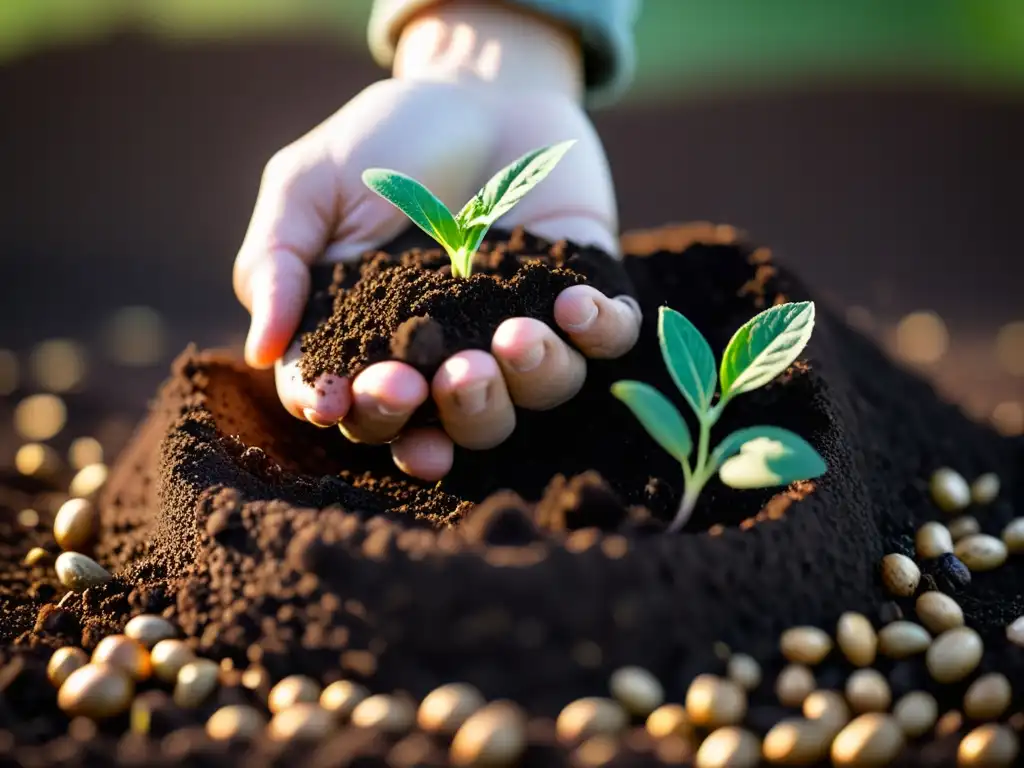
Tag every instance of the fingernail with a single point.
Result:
(587, 313)
(530, 359)
(386, 410)
(314, 418)
(472, 398)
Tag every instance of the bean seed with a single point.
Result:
(794, 684)
(729, 747)
(1013, 536)
(389, 714)
(591, 716)
(954, 654)
(857, 639)
(168, 657)
(235, 721)
(981, 552)
(76, 525)
(96, 691)
(35, 556)
(124, 653)
(939, 612)
(744, 671)
(949, 490)
(1015, 631)
(990, 745)
(149, 630)
(669, 720)
(712, 702)
(867, 690)
(445, 709)
(196, 681)
(292, 690)
(88, 480)
(63, 662)
(304, 721)
(870, 739)
(985, 488)
(988, 697)
(902, 639)
(805, 645)
(637, 690)
(341, 697)
(916, 713)
(932, 540)
(828, 708)
(961, 527)
(900, 575)
(796, 741)
(492, 736)
(78, 572)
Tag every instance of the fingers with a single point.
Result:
(384, 396)
(541, 371)
(424, 453)
(599, 326)
(277, 291)
(473, 401)
(323, 403)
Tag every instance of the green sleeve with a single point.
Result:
(605, 29)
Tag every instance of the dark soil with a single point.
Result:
(275, 544)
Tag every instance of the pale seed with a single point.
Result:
(828, 708)
(445, 709)
(304, 721)
(1013, 536)
(794, 684)
(35, 556)
(341, 697)
(867, 690)
(990, 745)
(712, 702)
(988, 697)
(196, 681)
(933, 539)
(76, 525)
(902, 639)
(1015, 631)
(796, 741)
(591, 716)
(78, 572)
(126, 654)
(962, 527)
(235, 721)
(637, 690)
(954, 654)
(63, 662)
(949, 490)
(292, 690)
(492, 736)
(729, 747)
(669, 720)
(88, 480)
(96, 691)
(744, 671)
(149, 630)
(900, 575)
(805, 645)
(857, 639)
(939, 612)
(871, 739)
(981, 552)
(390, 714)
(168, 657)
(985, 488)
(916, 713)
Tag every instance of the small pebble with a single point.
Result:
(669, 720)
(857, 639)
(981, 552)
(96, 691)
(78, 572)
(988, 697)
(1013, 536)
(303, 721)
(445, 709)
(954, 654)
(828, 708)
(492, 736)
(932, 540)
(744, 671)
(76, 525)
(794, 684)
(985, 488)
(389, 714)
(35, 556)
(797, 741)
(961, 527)
(196, 681)
(712, 702)
(637, 690)
(900, 575)
(949, 490)
(235, 721)
(63, 662)
(149, 629)
(293, 690)
(867, 690)
(126, 654)
(341, 697)
(1015, 631)
(916, 713)
(902, 639)
(805, 645)
(729, 747)
(591, 716)
(168, 657)
(869, 740)
(990, 745)
(88, 480)
(939, 612)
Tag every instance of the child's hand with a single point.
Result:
(472, 91)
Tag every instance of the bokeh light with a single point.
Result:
(58, 365)
(40, 417)
(1010, 347)
(922, 338)
(136, 337)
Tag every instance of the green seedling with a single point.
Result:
(461, 234)
(754, 457)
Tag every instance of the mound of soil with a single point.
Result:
(277, 545)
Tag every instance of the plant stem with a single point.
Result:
(694, 481)
(685, 508)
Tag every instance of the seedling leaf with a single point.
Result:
(765, 346)
(657, 415)
(418, 203)
(763, 457)
(689, 359)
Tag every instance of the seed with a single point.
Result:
(78, 572)
(1013, 536)
(168, 657)
(933, 539)
(124, 653)
(988, 697)
(961, 527)
(805, 645)
(76, 525)
(985, 488)
(96, 691)
(292, 690)
(796, 741)
(712, 702)
(88, 480)
(196, 681)
(949, 490)
(939, 612)
(981, 552)
(445, 709)
(637, 690)
(744, 671)
(990, 745)
(63, 662)
(794, 684)
(390, 714)
(669, 720)
(1015, 631)
(729, 747)
(954, 654)
(149, 630)
(871, 739)
(857, 639)
(303, 721)
(900, 575)
(952, 573)
(493, 736)
(828, 708)
(35, 556)
(916, 713)
(902, 639)
(590, 716)
(341, 697)
(235, 721)
(868, 691)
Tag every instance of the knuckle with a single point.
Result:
(282, 167)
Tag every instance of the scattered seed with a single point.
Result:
(292, 690)
(196, 681)
(744, 671)
(637, 690)
(939, 612)
(78, 572)
(794, 684)
(902, 639)
(125, 654)
(1015, 631)
(900, 575)
(63, 662)
(949, 490)
(985, 488)
(235, 721)
(729, 747)
(981, 552)
(827, 708)
(149, 630)
(341, 697)
(591, 716)
(96, 691)
(76, 525)
(988, 697)
(916, 713)
(871, 739)
(857, 639)
(304, 721)
(390, 714)
(805, 645)
(669, 720)
(1013, 536)
(712, 702)
(964, 526)
(445, 709)
(796, 741)
(35, 556)
(932, 540)
(168, 657)
(867, 690)
(948, 724)
(954, 654)
(990, 745)
(492, 736)
(598, 752)
(952, 573)
(88, 480)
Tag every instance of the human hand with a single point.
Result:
(472, 90)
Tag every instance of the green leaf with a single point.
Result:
(658, 416)
(762, 457)
(766, 346)
(689, 359)
(509, 185)
(418, 203)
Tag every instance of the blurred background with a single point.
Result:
(875, 146)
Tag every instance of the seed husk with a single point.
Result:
(78, 572)
(235, 721)
(76, 525)
(985, 488)
(712, 702)
(445, 709)
(96, 691)
(794, 684)
(1015, 631)
(304, 721)
(796, 741)
(805, 645)
(88, 480)
(590, 716)
(949, 490)
(35, 556)
(637, 690)
(196, 681)
(744, 671)
(867, 690)
(341, 697)
(1013, 536)
(827, 708)
(961, 527)
(126, 654)
(168, 657)
(63, 662)
(988, 697)
(669, 720)
(990, 745)
(981, 552)
(149, 629)
(902, 639)
(729, 747)
(857, 639)
(900, 575)
(870, 739)
(954, 654)
(390, 714)
(494, 735)
(916, 713)
(932, 540)
(292, 690)
(939, 612)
